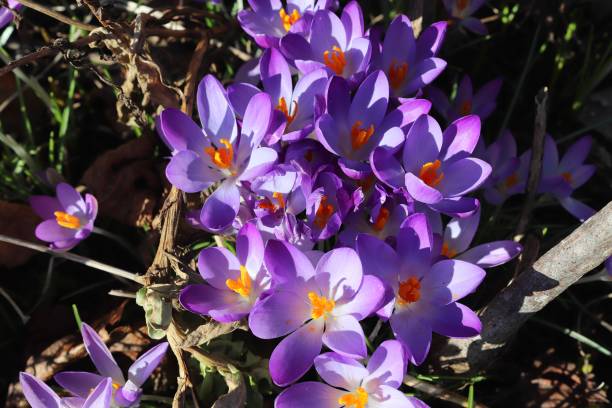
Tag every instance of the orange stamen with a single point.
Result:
(115, 386)
(335, 60)
(282, 106)
(359, 135)
(397, 74)
(279, 199)
(448, 251)
(358, 399)
(567, 177)
(511, 181)
(309, 155)
(221, 157)
(466, 108)
(320, 305)
(267, 204)
(381, 219)
(366, 183)
(289, 19)
(242, 284)
(409, 291)
(66, 220)
(429, 173)
(462, 4)
(324, 213)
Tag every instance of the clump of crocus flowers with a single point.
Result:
(334, 178)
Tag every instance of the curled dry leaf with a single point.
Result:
(126, 182)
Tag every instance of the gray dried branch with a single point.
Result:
(582, 251)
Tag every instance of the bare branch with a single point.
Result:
(582, 251)
(56, 15)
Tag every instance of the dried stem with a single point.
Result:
(75, 258)
(56, 15)
(582, 251)
(438, 392)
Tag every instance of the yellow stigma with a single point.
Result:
(320, 305)
(282, 106)
(267, 204)
(466, 108)
(448, 251)
(289, 19)
(409, 291)
(66, 220)
(429, 173)
(324, 213)
(241, 285)
(381, 219)
(335, 60)
(397, 74)
(221, 157)
(116, 386)
(359, 135)
(357, 399)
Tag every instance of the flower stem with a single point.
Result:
(75, 258)
(24, 318)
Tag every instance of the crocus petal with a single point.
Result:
(340, 371)
(550, 158)
(450, 280)
(344, 335)
(51, 231)
(392, 139)
(69, 198)
(45, 206)
(370, 101)
(457, 206)
(306, 90)
(37, 393)
(255, 125)
(460, 138)
(286, 365)
(329, 134)
(387, 365)
(388, 397)
(424, 137)
(424, 73)
(250, 248)
(339, 274)
(455, 320)
(352, 19)
(188, 172)
(414, 243)
(420, 191)
(582, 174)
(295, 47)
(101, 396)
(100, 355)
(78, 383)
(387, 168)
(579, 210)
(399, 31)
(286, 263)
(460, 232)
(377, 258)
(492, 253)
(275, 75)
(261, 161)
(413, 332)
(282, 312)
(430, 40)
(216, 114)
(576, 154)
(180, 132)
(240, 94)
(223, 305)
(221, 207)
(439, 99)
(474, 25)
(146, 363)
(309, 395)
(463, 176)
(328, 31)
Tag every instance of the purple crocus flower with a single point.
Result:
(337, 44)
(269, 21)
(294, 113)
(458, 236)
(481, 103)
(126, 393)
(462, 10)
(6, 15)
(509, 175)
(40, 395)
(353, 385)
(352, 128)
(424, 295)
(411, 64)
(234, 282)
(314, 306)
(68, 218)
(327, 206)
(561, 178)
(436, 168)
(216, 153)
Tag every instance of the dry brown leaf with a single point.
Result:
(17, 221)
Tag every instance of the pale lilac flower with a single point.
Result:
(40, 395)
(462, 11)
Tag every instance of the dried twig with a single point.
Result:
(535, 167)
(438, 392)
(56, 15)
(192, 73)
(584, 249)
